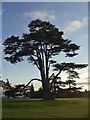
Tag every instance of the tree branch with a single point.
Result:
(30, 82)
(35, 62)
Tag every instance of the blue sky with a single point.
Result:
(72, 18)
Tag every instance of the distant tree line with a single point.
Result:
(17, 91)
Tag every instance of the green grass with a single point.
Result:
(36, 108)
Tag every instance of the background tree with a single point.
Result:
(32, 91)
(39, 45)
(71, 75)
(6, 85)
(71, 70)
(14, 91)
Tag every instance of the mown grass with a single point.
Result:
(36, 108)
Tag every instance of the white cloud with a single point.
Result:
(75, 25)
(72, 26)
(44, 15)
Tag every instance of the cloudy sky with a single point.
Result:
(72, 18)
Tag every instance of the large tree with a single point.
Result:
(39, 45)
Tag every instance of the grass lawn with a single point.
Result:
(36, 108)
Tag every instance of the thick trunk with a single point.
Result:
(44, 71)
(46, 88)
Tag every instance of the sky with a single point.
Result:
(72, 18)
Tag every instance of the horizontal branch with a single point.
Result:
(33, 80)
(30, 82)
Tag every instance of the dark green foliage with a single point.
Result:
(65, 66)
(14, 91)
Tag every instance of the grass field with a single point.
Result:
(36, 108)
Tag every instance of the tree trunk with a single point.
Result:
(46, 88)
